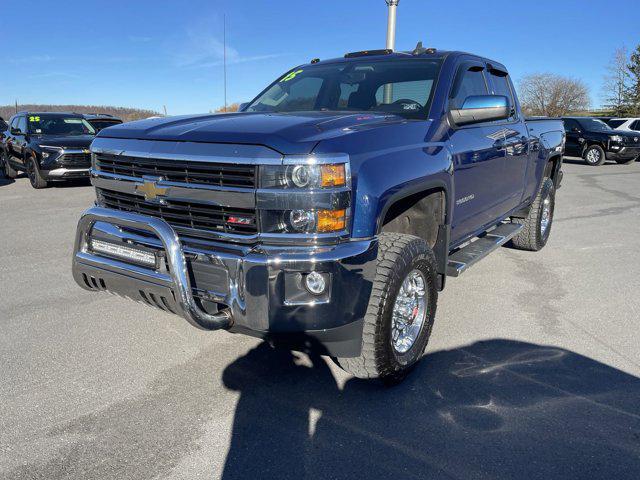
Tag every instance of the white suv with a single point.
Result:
(628, 124)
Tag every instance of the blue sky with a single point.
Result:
(150, 53)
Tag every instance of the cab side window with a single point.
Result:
(22, 124)
(501, 86)
(14, 122)
(570, 124)
(635, 125)
(469, 81)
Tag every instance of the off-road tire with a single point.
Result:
(531, 237)
(598, 151)
(626, 162)
(33, 172)
(5, 168)
(398, 255)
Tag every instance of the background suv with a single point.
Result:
(47, 146)
(595, 141)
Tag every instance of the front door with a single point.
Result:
(478, 159)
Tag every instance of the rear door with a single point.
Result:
(20, 140)
(573, 146)
(478, 158)
(11, 139)
(516, 141)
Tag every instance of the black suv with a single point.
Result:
(595, 141)
(100, 121)
(48, 146)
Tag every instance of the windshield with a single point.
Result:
(399, 86)
(102, 124)
(615, 123)
(58, 125)
(594, 125)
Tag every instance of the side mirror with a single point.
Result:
(243, 106)
(482, 108)
(16, 131)
(575, 130)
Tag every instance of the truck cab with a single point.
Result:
(330, 210)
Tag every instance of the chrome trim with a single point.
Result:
(177, 278)
(205, 194)
(315, 159)
(289, 199)
(60, 172)
(187, 151)
(83, 151)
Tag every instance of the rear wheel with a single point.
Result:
(537, 226)
(401, 310)
(6, 169)
(594, 156)
(34, 174)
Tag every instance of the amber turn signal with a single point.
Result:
(333, 175)
(331, 220)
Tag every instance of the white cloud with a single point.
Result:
(54, 75)
(240, 59)
(200, 48)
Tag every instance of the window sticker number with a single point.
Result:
(34, 119)
(290, 76)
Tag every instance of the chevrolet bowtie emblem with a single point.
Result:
(151, 190)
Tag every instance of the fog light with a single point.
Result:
(315, 283)
(124, 253)
(302, 220)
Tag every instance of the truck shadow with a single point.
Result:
(494, 409)
(5, 180)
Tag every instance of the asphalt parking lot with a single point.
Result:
(532, 370)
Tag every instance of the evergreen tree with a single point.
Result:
(633, 93)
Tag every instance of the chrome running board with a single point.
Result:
(480, 248)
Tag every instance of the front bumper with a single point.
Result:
(624, 153)
(62, 173)
(255, 290)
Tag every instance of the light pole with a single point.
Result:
(391, 24)
(391, 43)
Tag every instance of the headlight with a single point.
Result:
(305, 195)
(616, 138)
(304, 176)
(49, 151)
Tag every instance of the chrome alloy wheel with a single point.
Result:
(593, 155)
(409, 312)
(545, 220)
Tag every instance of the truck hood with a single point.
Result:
(287, 133)
(67, 141)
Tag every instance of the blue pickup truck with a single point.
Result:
(329, 211)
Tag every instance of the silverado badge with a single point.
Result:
(151, 191)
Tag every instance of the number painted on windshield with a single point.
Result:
(290, 76)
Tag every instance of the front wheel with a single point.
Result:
(5, 168)
(594, 156)
(35, 177)
(537, 226)
(401, 310)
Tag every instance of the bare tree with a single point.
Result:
(617, 82)
(552, 95)
(234, 107)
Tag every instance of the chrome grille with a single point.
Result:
(219, 174)
(181, 214)
(75, 160)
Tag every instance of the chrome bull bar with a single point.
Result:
(177, 279)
